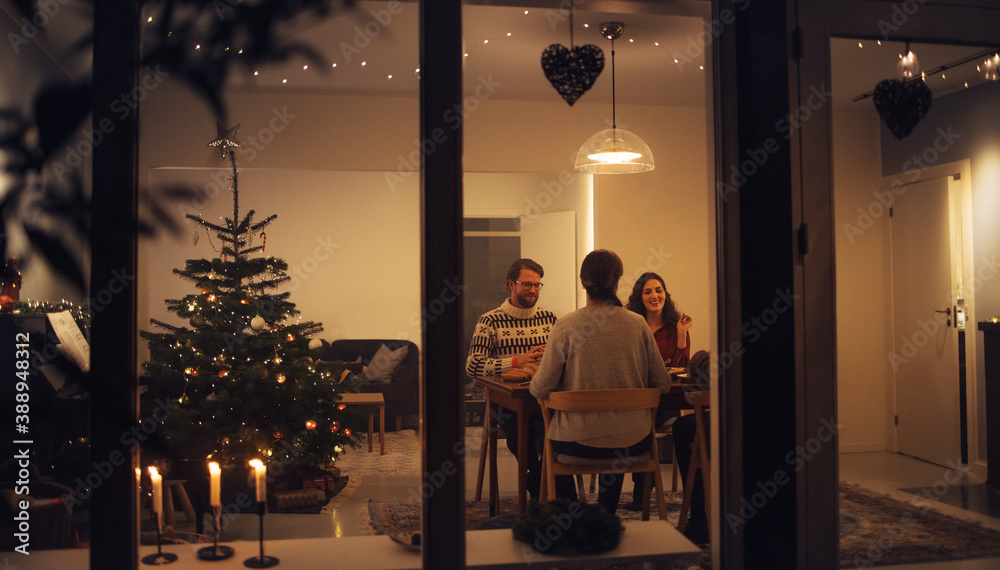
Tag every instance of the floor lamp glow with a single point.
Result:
(614, 150)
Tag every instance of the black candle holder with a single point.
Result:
(160, 558)
(261, 561)
(216, 552)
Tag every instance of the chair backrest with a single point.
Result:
(602, 400)
(598, 401)
(700, 401)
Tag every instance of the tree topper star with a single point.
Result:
(226, 139)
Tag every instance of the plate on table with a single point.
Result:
(676, 369)
(410, 540)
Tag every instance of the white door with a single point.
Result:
(550, 239)
(925, 351)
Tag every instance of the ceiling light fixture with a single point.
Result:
(614, 150)
(908, 65)
(990, 67)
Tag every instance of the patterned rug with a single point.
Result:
(387, 518)
(400, 459)
(875, 529)
(402, 456)
(384, 518)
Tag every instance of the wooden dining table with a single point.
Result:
(515, 396)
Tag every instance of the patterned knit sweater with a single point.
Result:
(504, 333)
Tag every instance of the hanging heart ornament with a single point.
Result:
(902, 105)
(572, 71)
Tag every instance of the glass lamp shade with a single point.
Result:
(614, 151)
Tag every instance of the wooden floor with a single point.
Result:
(882, 472)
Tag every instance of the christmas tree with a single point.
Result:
(240, 383)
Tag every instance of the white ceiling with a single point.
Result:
(857, 66)
(504, 46)
(378, 39)
(659, 61)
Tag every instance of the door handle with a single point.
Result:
(946, 311)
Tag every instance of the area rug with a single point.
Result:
(400, 459)
(388, 518)
(385, 518)
(876, 530)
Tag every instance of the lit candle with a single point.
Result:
(157, 480)
(215, 484)
(138, 488)
(261, 472)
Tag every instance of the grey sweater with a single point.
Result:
(593, 348)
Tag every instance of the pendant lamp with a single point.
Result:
(614, 150)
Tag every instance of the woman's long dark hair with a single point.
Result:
(599, 275)
(670, 313)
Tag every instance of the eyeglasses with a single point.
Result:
(535, 286)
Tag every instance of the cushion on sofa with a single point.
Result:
(384, 363)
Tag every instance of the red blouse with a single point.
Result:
(666, 341)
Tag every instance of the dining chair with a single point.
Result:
(598, 401)
(484, 446)
(700, 402)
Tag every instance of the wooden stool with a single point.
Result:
(170, 486)
(700, 460)
(375, 399)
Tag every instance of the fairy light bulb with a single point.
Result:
(991, 67)
(908, 65)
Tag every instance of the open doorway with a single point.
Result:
(909, 246)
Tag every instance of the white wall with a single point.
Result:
(349, 243)
(663, 212)
(961, 126)
(864, 400)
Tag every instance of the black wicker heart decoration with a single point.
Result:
(572, 71)
(902, 105)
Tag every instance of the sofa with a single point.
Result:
(394, 372)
